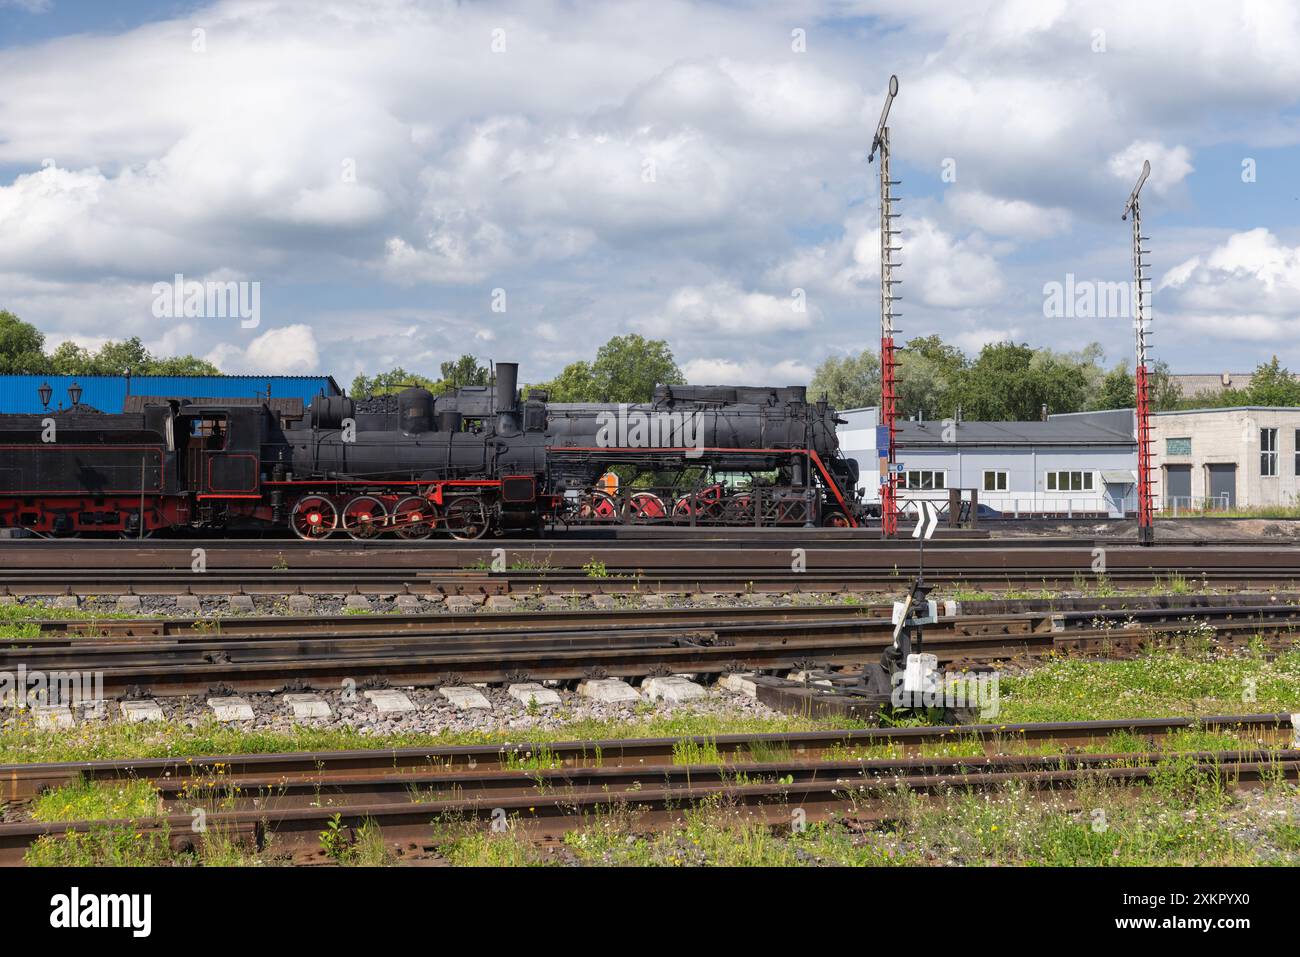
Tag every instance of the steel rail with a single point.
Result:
(272, 664)
(21, 782)
(549, 619)
(543, 804)
(296, 668)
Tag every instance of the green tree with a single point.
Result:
(1273, 384)
(120, 358)
(574, 384)
(1163, 390)
(182, 365)
(627, 369)
(21, 347)
(849, 382)
(998, 386)
(1009, 382)
(464, 371)
(1118, 390)
(394, 380)
(928, 375)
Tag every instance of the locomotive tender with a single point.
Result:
(474, 460)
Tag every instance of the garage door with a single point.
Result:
(1223, 482)
(1178, 486)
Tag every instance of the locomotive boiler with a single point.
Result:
(471, 461)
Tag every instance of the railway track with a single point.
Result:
(529, 568)
(168, 659)
(547, 789)
(1151, 606)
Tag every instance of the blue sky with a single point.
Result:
(389, 171)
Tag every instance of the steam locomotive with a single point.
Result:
(472, 461)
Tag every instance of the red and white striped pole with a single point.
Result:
(1141, 379)
(887, 432)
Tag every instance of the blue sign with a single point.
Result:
(882, 440)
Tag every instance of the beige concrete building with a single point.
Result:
(1224, 458)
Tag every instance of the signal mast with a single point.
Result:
(886, 432)
(1142, 329)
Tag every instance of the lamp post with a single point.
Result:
(74, 393)
(46, 393)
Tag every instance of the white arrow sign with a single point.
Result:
(927, 520)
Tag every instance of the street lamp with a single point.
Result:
(74, 393)
(46, 393)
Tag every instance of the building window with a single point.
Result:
(1069, 481)
(995, 481)
(924, 479)
(1268, 451)
(1297, 451)
(1178, 446)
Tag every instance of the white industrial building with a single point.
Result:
(1082, 464)
(1225, 458)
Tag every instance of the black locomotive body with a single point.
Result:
(474, 460)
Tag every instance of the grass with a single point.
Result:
(1183, 818)
(1160, 683)
(1163, 683)
(720, 837)
(103, 847)
(22, 621)
(688, 752)
(118, 740)
(364, 848)
(98, 800)
(1102, 828)
(1257, 511)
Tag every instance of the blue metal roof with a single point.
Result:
(18, 393)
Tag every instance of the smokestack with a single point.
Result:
(506, 397)
(1043, 412)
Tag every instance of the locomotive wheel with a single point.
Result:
(647, 506)
(364, 518)
(739, 510)
(834, 518)
(414, 518)
(706, 504)
(466, 518)
(314, 518)
(598, 506)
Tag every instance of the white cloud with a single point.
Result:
(383, 147)
(1244, 291)
(973, 340)
(1008, 217)
(721, 307)
(938, 269)
(290, 350)
(1169, 165)
(702, 371)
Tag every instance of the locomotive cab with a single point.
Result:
(218, 450)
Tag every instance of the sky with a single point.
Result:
(401, 182)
